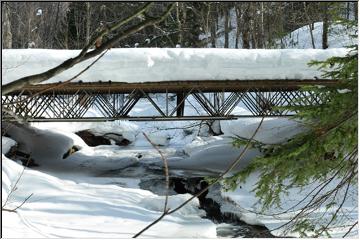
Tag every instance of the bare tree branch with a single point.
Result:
(84, 55)
(347, 233)
(167, 182)
(60, 84)
(166, 171)
(13, 189)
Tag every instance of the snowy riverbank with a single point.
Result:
(66, 191)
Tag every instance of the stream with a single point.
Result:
(229, 224)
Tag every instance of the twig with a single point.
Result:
(14, 210)
(166, 171)
(350, 229)
(231, 166)
(167, 183)
(13, 189)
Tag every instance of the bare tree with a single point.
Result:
(226, 25)
(325, 13)
(310, 24)
(6, 33)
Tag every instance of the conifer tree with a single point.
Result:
(323, 157)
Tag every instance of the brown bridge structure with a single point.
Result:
(214, 99)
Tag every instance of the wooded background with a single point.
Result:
(70, 25)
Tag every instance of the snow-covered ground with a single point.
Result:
(170, 64)
(339, 36)
(64, 208)
(68, 190)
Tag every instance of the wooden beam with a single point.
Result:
(174, 86)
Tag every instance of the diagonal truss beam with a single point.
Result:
(114, 105)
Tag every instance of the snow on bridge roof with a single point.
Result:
(170, 64)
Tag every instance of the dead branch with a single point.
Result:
(84, 54)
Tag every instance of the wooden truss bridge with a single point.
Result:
(214, 100)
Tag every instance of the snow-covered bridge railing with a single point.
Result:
(164, 83)
(171, 100)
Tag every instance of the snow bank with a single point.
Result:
(6, 144)
(65, 209)
(271, 131)
(213, 154)
(248, 209)
(10, 173)
(47, 148)
(338, 36)
(126, 129)
(158, 138)
(156, 203)
(170, 64)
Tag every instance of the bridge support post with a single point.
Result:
(180, 101)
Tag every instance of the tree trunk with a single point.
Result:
(88, 21)
(356, 10)
(238, 24)
(246, 28)
(226, 27)
(7, 35)
(310, 24)
(212, 26)
(325, 26)
(180, 38)
(262, 36)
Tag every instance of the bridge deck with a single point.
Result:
(213, 100)
(173, 86)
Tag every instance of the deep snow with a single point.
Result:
(170, 64)
(62, 208)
